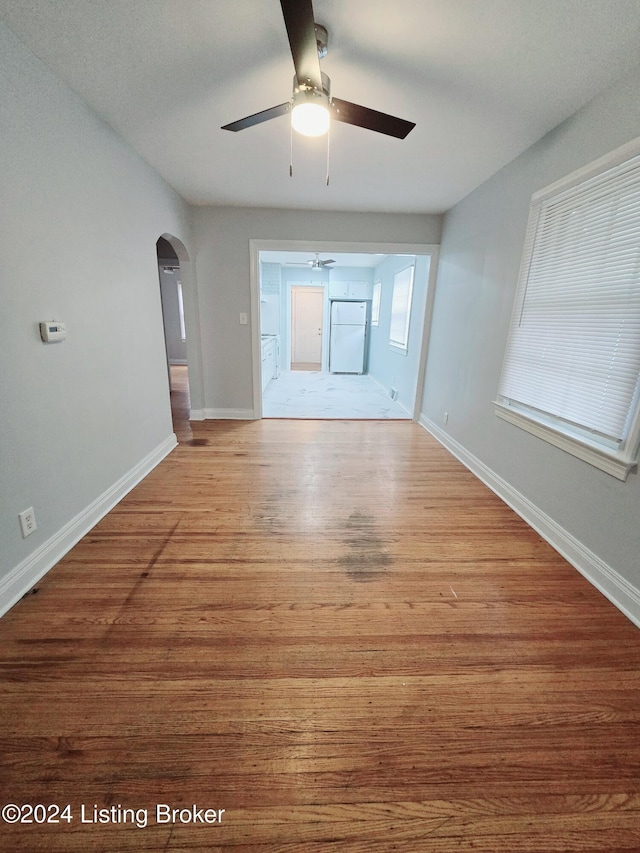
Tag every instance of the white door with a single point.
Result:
(307, 307)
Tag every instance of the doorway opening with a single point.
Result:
(324, 344)
(175, 335)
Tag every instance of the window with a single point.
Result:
(572, 365)
(375, 303)
(401, 308)
(183, 333)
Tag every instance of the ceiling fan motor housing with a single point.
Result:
(324, 96)
(322, 40)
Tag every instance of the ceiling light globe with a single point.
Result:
(310, 113)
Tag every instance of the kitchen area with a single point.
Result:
(269, 322)
(270, 358)
(324, 324)
(283, 316)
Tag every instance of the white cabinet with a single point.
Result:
(338, 289)
(350, 290)
(270, 358)
(360, 289)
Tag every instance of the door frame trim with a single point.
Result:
(257, 245)
(290, 288)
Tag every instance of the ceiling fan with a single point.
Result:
(315, 264)
(312, 105)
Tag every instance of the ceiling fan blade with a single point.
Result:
(370, 119)
(258, 118)
(324, 263)
(298, 19)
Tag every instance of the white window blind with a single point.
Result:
(573, 354)
(401, 308)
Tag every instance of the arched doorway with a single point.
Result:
(175, 329)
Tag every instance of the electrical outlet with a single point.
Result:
(446, 417)
(27, 522)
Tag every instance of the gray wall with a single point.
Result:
(81, 214)
(479, 259)
(222, 236)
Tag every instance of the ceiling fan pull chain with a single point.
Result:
(328, 139)
(290, 150)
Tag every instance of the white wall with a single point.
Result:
(81, 214)
(270, 287)
(222, 237)
(594, 517)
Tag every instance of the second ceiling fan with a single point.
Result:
(315, 264)
(312, 106)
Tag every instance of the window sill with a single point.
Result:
(609, 461)
(398, 348)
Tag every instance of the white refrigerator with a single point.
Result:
(347, 339)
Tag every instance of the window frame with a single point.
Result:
(183, 330)
(376, 298)
(396, 344)
(615, 458)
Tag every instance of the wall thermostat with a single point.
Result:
(52, 331)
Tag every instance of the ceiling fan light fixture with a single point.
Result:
(310, 112)
(312, 105)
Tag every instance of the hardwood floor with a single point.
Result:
(335, 633)
(180, 402)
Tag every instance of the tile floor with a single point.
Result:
(313, 394)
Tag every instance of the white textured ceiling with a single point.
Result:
(482, 79)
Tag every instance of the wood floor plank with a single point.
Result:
(335, 633)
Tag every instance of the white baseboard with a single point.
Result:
(27, 573)
(221, 415)
(386, 391)
(378, 383)
(604, 577)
